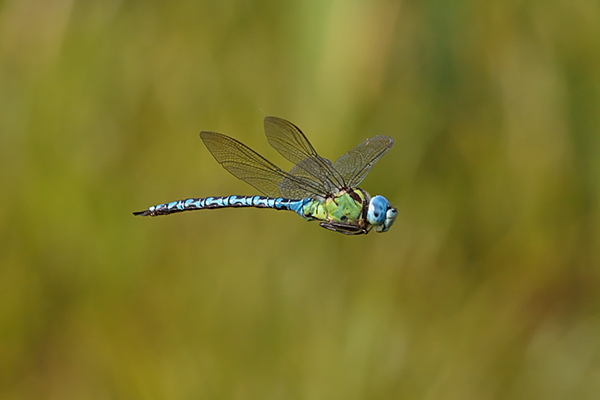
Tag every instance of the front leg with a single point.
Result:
(346, 229)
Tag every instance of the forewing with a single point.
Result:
(291, 143)
(249, 166)
(288, 140)
(355, 164)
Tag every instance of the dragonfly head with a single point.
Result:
(381, 214)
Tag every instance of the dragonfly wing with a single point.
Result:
(249, 166)
(355, 164)
(291, 143)
(288, 140)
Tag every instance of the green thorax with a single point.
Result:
(348, 206)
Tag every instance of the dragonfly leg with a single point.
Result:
(346, 229)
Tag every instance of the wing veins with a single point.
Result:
(249, 166)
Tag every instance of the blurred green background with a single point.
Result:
(487, 286)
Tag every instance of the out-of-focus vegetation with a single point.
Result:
(487, 287)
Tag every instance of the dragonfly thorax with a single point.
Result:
(345, 206)
(381, 214)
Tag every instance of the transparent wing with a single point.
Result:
(355, 164)
(291, 143)
(249, 166)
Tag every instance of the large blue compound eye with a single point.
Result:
(381, 214)
(377, 208)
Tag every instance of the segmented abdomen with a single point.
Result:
(277, 203)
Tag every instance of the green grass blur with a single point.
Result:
(487, 286)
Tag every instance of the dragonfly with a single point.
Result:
(315, 188)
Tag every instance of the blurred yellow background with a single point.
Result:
(487, 286)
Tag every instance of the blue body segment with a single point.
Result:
(276, 203)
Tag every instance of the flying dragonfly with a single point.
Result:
(315, 188)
